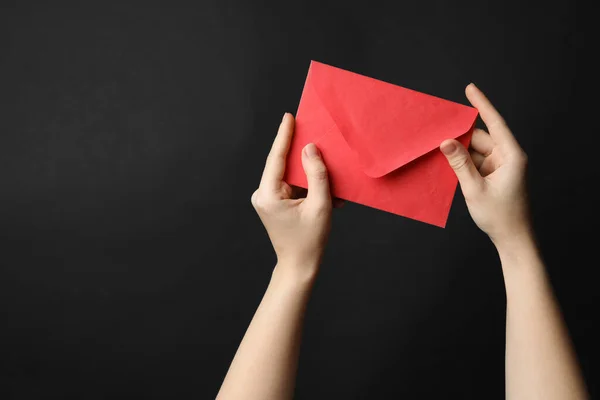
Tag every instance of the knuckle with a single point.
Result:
(261, 202)
(459, 163)
(267, 204)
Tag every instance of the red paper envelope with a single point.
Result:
(380, 142)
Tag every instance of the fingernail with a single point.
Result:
(283, 118)
(448, 148)
(311, 151)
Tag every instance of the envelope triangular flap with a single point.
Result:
(387, 126)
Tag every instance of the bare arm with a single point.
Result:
(264, 366)
(540, 361)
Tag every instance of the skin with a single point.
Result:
(540, 361)
(265, 364)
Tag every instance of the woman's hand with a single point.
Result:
(298, 227)
(540, 360)
(492, 176)
(266, 361)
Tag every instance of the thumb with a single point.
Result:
(316, 175)
(462, 164)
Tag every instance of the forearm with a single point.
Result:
(540, 361)
(265, 364)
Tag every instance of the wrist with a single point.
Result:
(296, 273)
(516, 246)
(522, 265)
(513, 237)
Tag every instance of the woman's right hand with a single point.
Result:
(492, 174)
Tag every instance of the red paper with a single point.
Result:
(380, 142)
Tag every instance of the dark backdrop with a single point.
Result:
(131, 139)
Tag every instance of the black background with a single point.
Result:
(131, 139)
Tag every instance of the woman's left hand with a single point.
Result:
(298, 227)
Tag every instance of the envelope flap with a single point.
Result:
(387, 126)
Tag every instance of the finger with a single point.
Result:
(492, 118)
(482, 142)
(477, 158)
(462, 164)
(275, 164)
(316, 176)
